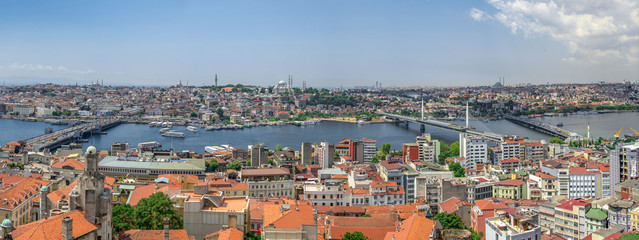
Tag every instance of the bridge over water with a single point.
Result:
(542, 127)
(445, 125)
(63, 136)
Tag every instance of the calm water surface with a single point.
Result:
(293, 136)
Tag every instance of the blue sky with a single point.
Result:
(325, 43)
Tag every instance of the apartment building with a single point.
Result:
(429, 149)
(548, 184)
(624, 163)
(268, 182)
(570, 219)
(473, 149)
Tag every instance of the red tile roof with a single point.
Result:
(19, 192)
(375, 228)
(414, 228)
(488, 204)
(452, 204)
(228, 234)
(138, 234)
(545, 176)
(582, 171)
(55, 196)
(141, 192)
(51, 228)
(568, 205)
(511, 182)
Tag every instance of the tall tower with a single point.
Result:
(91, 196)
(422, 109)
(304, 86)
(466, 114)
(216, 80)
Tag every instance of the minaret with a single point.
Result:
(466, 114)
(216, 80)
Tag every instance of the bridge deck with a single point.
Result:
(445, 125)
(57, 138)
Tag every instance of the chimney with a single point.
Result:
(67, 228)
(166, 228)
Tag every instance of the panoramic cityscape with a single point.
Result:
(358, 120)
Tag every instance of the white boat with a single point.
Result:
(191, 129)
(163, 130)
(173, 134)
(154, 144)
(214, 149)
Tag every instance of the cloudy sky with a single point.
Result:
(325, 43)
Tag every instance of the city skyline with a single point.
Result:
(327, 44)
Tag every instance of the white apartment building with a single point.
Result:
(473, 149)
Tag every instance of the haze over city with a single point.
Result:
(326, 44)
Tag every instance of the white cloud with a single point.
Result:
(594, 31)
(477, 14)
(45, 68)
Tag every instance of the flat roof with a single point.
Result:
(184, 164)
(264, 172)
(231, 204)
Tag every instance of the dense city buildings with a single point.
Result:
(505, 187)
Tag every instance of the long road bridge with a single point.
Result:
(63, 136)
(445, 125)
(542, 127)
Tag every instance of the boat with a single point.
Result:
(191, 129)
(173, 134)
(214, 149)
(151, 145)
(163, 130)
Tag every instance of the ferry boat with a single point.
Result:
(173, 134)
(214, 149)
(191, 129)
(164, 130)
(154, 144)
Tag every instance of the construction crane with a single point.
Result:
(636, 136)
(618, 132)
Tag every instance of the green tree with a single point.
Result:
(450, 220)
(385, 149)
(150, 212)
(278, 147)
(557, 140)
(454, 149)
(237, 165)
(354, 236)
(122, 218)
(457, 169)
(453, 221)
(374, 160)
(193, 115)
(630, 236)
(211, 165)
